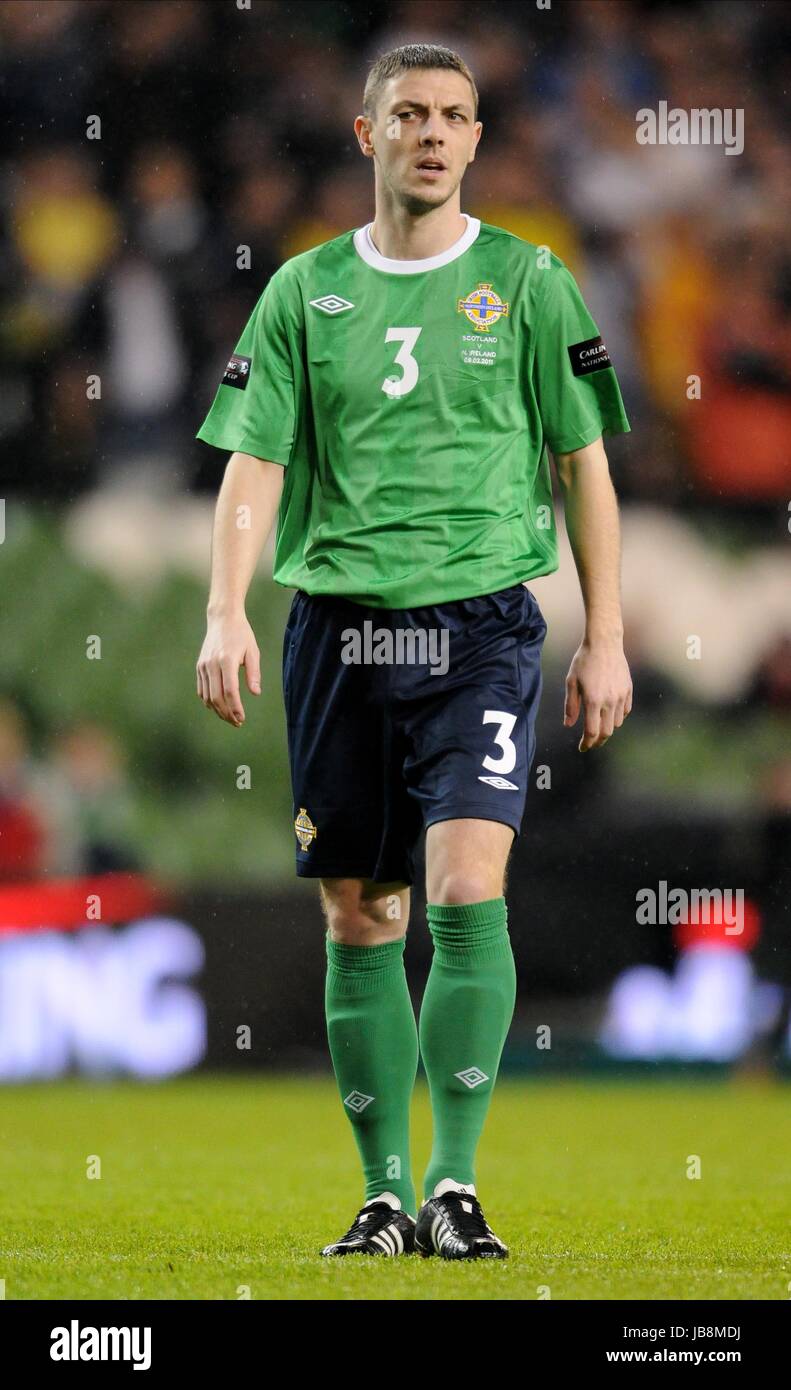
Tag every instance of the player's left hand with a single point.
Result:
(600, 683)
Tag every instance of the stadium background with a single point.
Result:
(221, 129)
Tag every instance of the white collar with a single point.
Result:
(365, 248)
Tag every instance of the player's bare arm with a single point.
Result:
(598, 680)
(250, 494)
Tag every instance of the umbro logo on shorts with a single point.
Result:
(501, 783)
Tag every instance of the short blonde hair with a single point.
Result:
(406, 59)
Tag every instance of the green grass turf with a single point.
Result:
(209, 1184)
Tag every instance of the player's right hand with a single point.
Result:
(229, 643)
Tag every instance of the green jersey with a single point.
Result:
(410, 403)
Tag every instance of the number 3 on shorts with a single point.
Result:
(507, 762)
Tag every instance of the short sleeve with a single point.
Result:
(254, 409)
(575, 384)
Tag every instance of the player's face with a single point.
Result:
(425, 115)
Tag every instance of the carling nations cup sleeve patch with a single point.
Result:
(589, 356)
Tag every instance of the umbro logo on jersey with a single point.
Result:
(501, 783)
(331, 304)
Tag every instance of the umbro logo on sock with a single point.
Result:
(357, 1101)
(472, 1077)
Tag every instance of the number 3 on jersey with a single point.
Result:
(401, 385)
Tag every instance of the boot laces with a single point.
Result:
(469, 1224)
(368, 1219)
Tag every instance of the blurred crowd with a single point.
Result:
(221, 127)
(67, 813)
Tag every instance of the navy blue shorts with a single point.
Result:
(398, 718)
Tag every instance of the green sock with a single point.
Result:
(464, 1020)
(373, 1044)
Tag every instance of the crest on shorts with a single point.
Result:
(304, 829)
(483, 307)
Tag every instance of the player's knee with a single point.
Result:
(362, 929)
(461, 886)
(359, 921)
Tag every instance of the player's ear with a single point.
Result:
(362, 129)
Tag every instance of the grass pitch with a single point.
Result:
(213, 1186)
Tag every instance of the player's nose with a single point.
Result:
(430, 130)
(431, 145)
